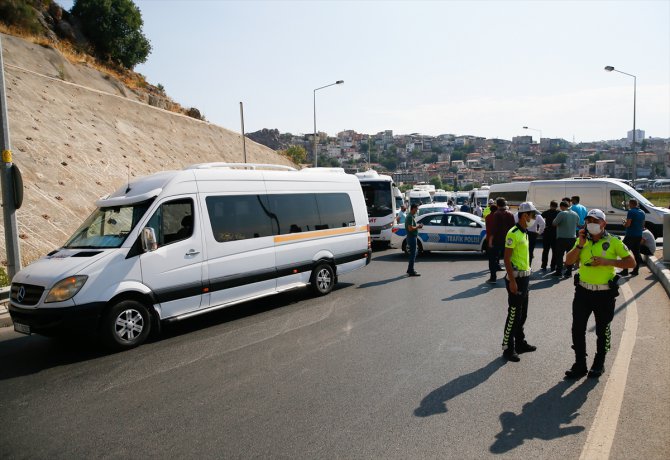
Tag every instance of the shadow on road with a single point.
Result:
(652, 282)
(474, 291)
(470, 276)
(548, 282)
(26, 355)
(435, 402)
(544, 417)
(381, 282)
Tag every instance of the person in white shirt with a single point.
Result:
(648, 246)
(533, 232)
(478, 210)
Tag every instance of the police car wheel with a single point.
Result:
(419, 248)
(323, 279)
(126, 325)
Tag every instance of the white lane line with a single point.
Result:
(601, 435)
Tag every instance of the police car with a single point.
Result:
(445, 231)
(435, 207)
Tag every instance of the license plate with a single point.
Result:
(22, 328)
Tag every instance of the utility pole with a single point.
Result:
(7, 177)
(244, 141)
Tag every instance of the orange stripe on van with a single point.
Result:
(317, 234)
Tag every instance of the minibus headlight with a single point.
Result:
(387, 226)
(66, 289)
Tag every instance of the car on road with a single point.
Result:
(445, 231)
(435, 207)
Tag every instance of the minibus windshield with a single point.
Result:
(378, 197)
(108, 227)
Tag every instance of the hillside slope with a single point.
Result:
(78, 134)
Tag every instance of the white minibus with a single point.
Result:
(181, 243)
(380, 203)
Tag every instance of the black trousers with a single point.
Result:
(633, 243)
(601, 304)
(549, 244)
(563, 245)
(495, 253)
(517, 311)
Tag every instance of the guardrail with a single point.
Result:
(4, 293)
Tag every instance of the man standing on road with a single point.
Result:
(565, 222)
(478, 210)
(549, 236)
(579, 209)
(634, 226)
(412, 234)
(488, 210)
(402, 214)
(596, 290)
(501, 221)
(517, 266)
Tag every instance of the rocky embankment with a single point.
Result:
(78, 134)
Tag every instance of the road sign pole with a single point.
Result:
(6, 176)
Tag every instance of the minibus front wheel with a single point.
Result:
(323, 279)
(126, 325)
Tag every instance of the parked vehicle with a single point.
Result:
(182, 243)
(445, 231)
(609, 195)
(442, 196)
(380, 201)
(480, 195)
(419, 197)
(461, 198)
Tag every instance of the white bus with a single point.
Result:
(182, 243)
(442, 196)
(480, 195)
(380, 201)
(419, 197)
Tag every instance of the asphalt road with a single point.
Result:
(384, 367)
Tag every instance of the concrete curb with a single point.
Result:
(5, 320)
(659, 270)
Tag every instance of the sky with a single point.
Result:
(484, 68)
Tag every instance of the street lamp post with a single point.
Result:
(338, 82)
(609, 68)
(538, 130)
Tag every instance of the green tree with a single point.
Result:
(114, 28)
(457, 155)
(437, 182)
(297, 154)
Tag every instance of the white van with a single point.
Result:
(609, 195)
(480, 196)
(378, 191)
(419, 197)
(181, 243)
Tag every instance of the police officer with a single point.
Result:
(517, 266)
(595, 290)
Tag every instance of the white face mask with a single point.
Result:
(593, 229)
(531, 222)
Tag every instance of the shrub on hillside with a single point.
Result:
(21, 14)
(114, 28)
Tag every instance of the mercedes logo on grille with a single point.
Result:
(22, 294)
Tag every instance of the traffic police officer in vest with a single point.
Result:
(596, 289)
(517, 266)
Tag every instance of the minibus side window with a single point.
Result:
(173, 221)
(335, 210)
(295, 213)
(239, 217)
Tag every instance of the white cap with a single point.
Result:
(528, 206)
(597, 213)
(491, 201)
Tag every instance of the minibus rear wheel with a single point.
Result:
(323, 279)
(126, 325)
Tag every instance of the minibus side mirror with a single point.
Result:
(149, 242)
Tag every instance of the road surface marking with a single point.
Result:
(601, 435)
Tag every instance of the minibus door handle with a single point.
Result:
(610, 212)
(192, 252)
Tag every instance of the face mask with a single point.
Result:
(531, 222)
(593, 229)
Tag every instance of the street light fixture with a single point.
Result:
(538, 130)
(338, 82)
(610, 68)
